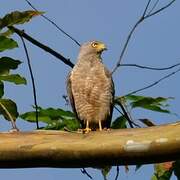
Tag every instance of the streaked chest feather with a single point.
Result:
(93, 85)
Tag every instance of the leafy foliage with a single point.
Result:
(18, 17)
(8, 109)
(163, 171)
(119, 123)
(105, 171)
(7, 63)
(56, 119)
(158, 104)
(7, 43)
(14, 78)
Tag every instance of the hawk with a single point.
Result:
(90, 88)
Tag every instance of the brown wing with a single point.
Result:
(109, 116)
(70, 95)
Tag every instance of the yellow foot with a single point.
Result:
(86, 130)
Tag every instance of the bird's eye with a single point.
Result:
(94, 44)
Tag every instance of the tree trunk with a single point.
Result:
(71, 149)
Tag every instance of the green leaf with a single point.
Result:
(105, 171)
(18, 17)
(8, 109)
(54, 118)
(119, 123)
(14, 78)
(55, 114)
(7, 43)
(71, 125)
(149, 103)
(154, 177)
(176, 168)
(31, 117)
(147, 99)
(163, 171)
(1, 89)
(150, 107)
(134, 97)
(7, 63)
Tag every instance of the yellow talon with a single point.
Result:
(100, 126)
(86, 130)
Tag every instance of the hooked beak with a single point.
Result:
(102, 47)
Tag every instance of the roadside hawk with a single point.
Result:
(90, 88)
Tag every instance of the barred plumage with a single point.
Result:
(90, 88)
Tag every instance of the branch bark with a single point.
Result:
(75, 150)
(21, 33)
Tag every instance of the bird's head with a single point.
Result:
(92, 47)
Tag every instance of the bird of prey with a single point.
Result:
(90, 88)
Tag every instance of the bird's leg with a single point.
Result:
(100, 126)
(87, 126)
(87, 129)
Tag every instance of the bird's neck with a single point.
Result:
(89, 59)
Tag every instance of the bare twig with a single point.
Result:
(146, 8)
(144, 16)
(32, 80)
(125, 114)
(65, 97)
(129, 37)
(42, 46)
(155, 83)
(128, 119)
(53, 23)
(161, 9)
(150, 68)
(83, 170)
(154, 6)
(125, 45)
(118, 110)
(117, 173)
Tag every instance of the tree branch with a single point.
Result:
(54, 24)
(32, 80)
(75, 150)
(42, 46)
(150, 68)
(154, 83)
(160, 9)
(142, 18)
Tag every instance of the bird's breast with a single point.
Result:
(91, 88)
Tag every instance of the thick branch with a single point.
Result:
(114, 147)
(42, 46)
